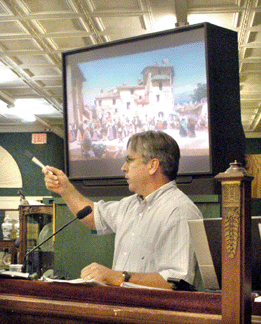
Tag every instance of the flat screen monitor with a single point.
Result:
(183, 81)
(207, 242)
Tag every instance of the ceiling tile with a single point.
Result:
(23, 92)
(43, 71)
(11, 28)
(220, 19)
(67, 43)
(46, 6)
(107, 5)
(4, 12)
(60, 26)
(33, 59)
(253, 52)
(212, 3)
(125, 27)
(13, 45)
(257, 19)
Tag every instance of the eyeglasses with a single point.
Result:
(130, 159)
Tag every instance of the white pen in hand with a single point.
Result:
(35, 160)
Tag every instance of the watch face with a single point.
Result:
(6, 258)
(126, 276)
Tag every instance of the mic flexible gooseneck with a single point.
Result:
(80, 215)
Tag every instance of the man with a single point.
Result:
(152, 239)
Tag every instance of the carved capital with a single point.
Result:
(231, 215)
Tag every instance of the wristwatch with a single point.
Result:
(126, 276)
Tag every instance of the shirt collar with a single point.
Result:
(158, 192)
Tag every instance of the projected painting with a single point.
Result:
(111, 98)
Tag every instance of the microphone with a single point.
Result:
(84, 212)
(80, 215)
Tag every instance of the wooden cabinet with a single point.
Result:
(36, 224)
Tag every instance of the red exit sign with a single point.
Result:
(39, 138)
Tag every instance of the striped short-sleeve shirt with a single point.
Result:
(151, 235)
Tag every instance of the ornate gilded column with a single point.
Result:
(236, 244)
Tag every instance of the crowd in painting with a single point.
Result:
(100, 135)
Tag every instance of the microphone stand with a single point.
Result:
(80, 215)
(44, 241)
(48, 238)
(18, 275)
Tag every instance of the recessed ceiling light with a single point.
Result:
(7, 75)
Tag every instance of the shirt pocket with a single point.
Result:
(146, 257)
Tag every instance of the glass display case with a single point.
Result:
(36, 225)
(8, 237)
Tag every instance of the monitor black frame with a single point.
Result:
(226, 135)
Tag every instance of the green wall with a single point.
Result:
(51, 153)
(253, 146)
(77, 246)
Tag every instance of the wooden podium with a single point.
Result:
(236, 245)
(37, 302)
(34, 302)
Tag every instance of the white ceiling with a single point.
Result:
(33, 33)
